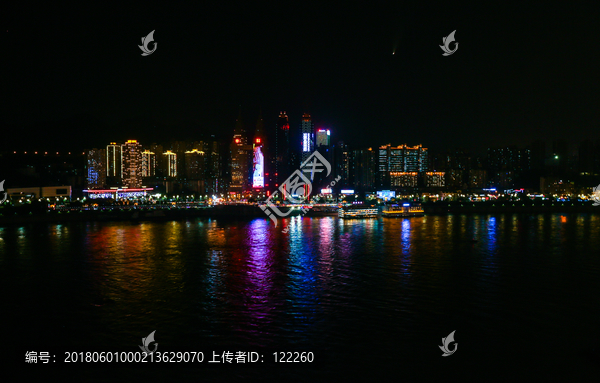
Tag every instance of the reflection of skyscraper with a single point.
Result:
(113, 160)
(131, 160)
(282, 149)
(96, 168)
(307, 128)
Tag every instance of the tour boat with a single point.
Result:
(406, 209)
(358, 212)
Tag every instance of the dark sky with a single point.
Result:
(76, 78)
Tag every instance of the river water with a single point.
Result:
(370, 298)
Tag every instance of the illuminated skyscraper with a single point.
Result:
(323, 137)
(113, 160)
(148, 163)
(96, 168)
(397, 164)
(240, 157)
(282, 149)
(307, 128)
(259, 153)
(170, 159)
(131, 163)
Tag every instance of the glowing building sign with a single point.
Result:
(386, 194)
(258, 179)
(306, 142)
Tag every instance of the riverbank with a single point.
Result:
(8, 218)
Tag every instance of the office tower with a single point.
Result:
(131, 164)
(195, 170)
(363, 170)
(148, 163)
(307, 129)
(323, 137)
(113, 160)
(195, 164)
(282, 149)
(170, 163)
(342, 163)
(213, 181)
(96, 168)
(240, 157)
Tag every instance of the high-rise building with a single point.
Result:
(195, 170)
(113, 160)
(538, 154)
(131, 163)
(213, 182)
(342, 164)
(148, 163)
(560, 153)
(170, 166)
(96, 168)
(587, 157)
(401, 159)
(323, 137)
(282, 150)
(194, 164)
(363, 170)
(259, 151)
(307, 129)
(403, 179)
(435, 179)
(240, 157)
(477, 178)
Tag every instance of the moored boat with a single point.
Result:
(322, 211)
(406, 209)
(358, 212)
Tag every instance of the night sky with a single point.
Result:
(75, 78)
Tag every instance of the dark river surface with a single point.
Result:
(371, 299)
